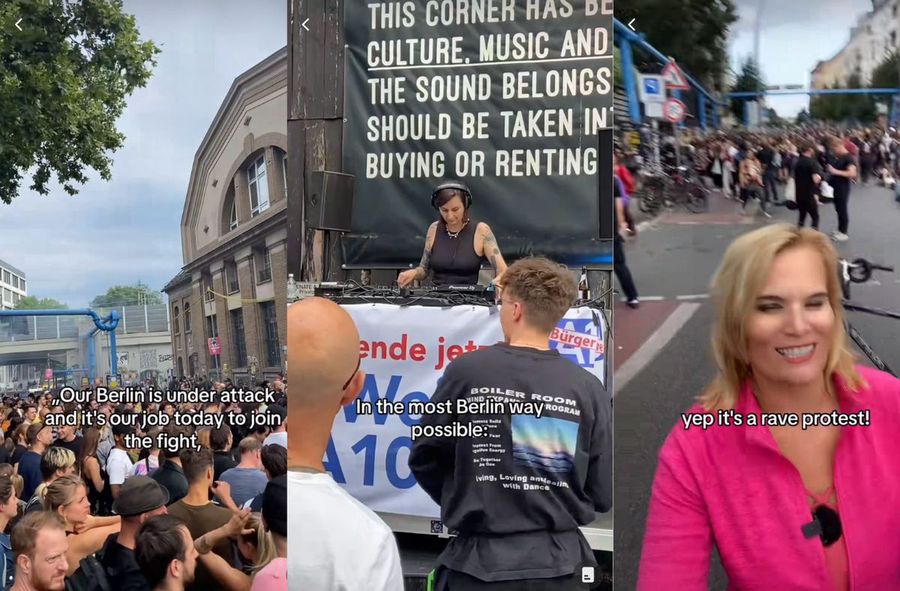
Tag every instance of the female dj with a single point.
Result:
(456, 244)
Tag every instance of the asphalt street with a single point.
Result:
(662, 350)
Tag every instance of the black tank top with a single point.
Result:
(454, 260)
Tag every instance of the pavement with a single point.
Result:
(662, 359)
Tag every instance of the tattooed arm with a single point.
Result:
(424, 268)
(491, 251)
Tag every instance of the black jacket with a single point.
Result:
(517, 495)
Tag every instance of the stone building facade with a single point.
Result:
(875, 36)
(233, 285)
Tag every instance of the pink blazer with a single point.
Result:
(730, 486)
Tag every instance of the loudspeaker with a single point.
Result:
(331, 200)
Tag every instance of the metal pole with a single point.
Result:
(677, 144)
(759, 9)
(701, 108)
(655, 125)
(634, 108)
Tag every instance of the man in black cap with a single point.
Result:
(140, 498)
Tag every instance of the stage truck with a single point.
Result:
(512, 98)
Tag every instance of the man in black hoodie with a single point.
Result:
(517, 492)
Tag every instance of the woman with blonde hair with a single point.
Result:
(67, 496)
(254, 544)
(789, 462)
(56, 462)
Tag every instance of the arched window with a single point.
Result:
(187, 317)
(258, 185)
(175, 320)
(229, 211)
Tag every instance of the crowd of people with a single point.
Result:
(203, 507)
(802, 167)
(345, 545)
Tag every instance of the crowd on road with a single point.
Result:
(82, 503)
(801, 167)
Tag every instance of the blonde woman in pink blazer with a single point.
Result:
(787, 508)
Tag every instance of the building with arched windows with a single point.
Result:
(230, 295)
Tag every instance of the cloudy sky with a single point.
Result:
(795, 35)
(127, 230)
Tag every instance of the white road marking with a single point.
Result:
(698, 296)
(653, 345)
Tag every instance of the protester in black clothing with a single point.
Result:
(518, 494)
(139, 499)
(67, 437)
(220, 440)
(170, 474)
(766, 157)
(842, 170)
(620, 267)
(807, 176)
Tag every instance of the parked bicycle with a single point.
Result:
(860, 271)
(660, 189)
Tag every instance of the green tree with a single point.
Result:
(126, 295)
(748, 80)
(694, 32)
(851, 108)
(887, 73)
(63, 83)
(33, 303)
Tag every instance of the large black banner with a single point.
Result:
(508, 96)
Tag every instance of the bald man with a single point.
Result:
(336, 542)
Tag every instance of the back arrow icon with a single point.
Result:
(303, 24)
(631, 25)
(17, 24)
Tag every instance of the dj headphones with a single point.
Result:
(467, 194)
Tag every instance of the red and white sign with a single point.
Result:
(48, 374)
(674, 77)
(214, 347)
(674, 110)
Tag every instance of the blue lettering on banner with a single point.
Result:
(367, 443)
(370, 393)
(391, 464)
(368, 446)
(585, 357)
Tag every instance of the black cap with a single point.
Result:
(140, 494)
(274, 505)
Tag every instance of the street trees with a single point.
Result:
(748, 80)
(63, 82)
(33, 303)
(127, 295)
(694, 32)
(851, 108)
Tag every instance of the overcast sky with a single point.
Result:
(795, 35)
(127, 230)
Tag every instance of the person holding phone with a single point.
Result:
(788, 504)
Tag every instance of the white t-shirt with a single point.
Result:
(337, 543)
(277, 438)
(118, 466)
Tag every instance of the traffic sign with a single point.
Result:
(654, 110)
(674, 110)
(674, 77)
(652, 89)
